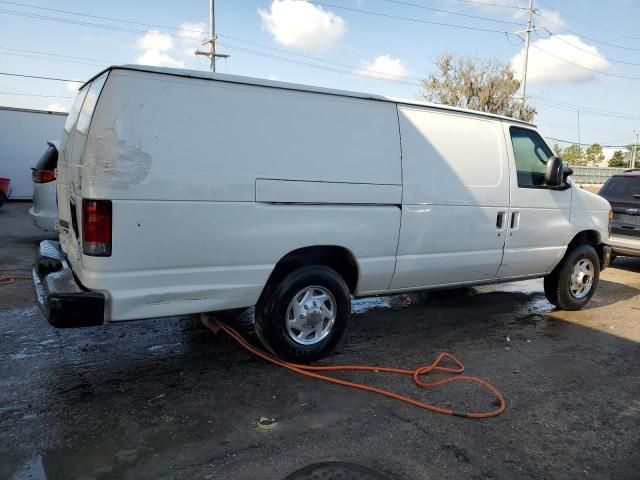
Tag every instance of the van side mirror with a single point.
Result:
(555, 173)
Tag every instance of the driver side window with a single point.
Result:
(531, 155)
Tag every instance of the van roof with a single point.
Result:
(223, 77)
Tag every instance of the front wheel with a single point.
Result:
(573, 282)
(303, 317)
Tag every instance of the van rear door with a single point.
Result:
(76, 131)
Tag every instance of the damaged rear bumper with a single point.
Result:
(62, 299)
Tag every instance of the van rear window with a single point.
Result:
(621, 186)
(75, 110)
(89, 105)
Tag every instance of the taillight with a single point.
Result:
(96, 227)
(610, 221)
(43, 176)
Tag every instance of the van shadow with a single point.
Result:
(629, 264)
(609, 293)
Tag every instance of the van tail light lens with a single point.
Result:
(43, 176)
(96, 228)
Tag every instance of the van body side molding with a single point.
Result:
(309, 191)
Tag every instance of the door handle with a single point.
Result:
(500, 220)
(515, 221)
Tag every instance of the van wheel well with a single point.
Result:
(588, 237)
(338, 258)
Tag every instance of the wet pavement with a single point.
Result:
(169, 399)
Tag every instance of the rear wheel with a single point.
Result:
(573, 282)
(303, 317)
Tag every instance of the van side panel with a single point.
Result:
(183, 160)
(456, 184)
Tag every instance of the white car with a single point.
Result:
(184, 191)
(44, 212)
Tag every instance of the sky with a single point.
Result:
(584, 55)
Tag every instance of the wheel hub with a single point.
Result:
(311, 315)
(581, 279)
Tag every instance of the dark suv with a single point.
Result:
(623, 193)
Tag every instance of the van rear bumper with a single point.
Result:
(62, 299)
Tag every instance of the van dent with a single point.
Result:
(183, 192)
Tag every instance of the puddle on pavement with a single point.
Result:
(32, 470)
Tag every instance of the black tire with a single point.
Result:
(272, 313)
(557, 285)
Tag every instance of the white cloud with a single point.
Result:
(163, 51)
(73, 87)
(300, 24)
(57, 107)
(187, 46)
(155, 40)
(548, 67)
(159, 59)
(385, 67)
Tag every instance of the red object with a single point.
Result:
(4, 186)
(96, 227)
(317, 372)
(43, 176)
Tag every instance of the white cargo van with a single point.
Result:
(184, 191)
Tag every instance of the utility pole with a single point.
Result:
(579, 137)
(212, 55)
(635, 150)
(526, 50)
(526, 56)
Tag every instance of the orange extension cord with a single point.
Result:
(8, 280)
(309, 371)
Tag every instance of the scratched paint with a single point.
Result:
(110, 161)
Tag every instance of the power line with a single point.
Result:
(22, 50)
(583, 110)
(112, 19)
(593, 39)
(387, 76)
(627, 77)
(450, 12)
(577, 47)
(490, 4)
(408, 19)
(593, 25)
(372, 75)
(51, 59)
(34, 95)
(40, 78)
(91, 24)
(585, 144)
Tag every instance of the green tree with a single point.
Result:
(618, 160)
(573, 155)
(594, 155)
(487, 85)
(557, 149)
